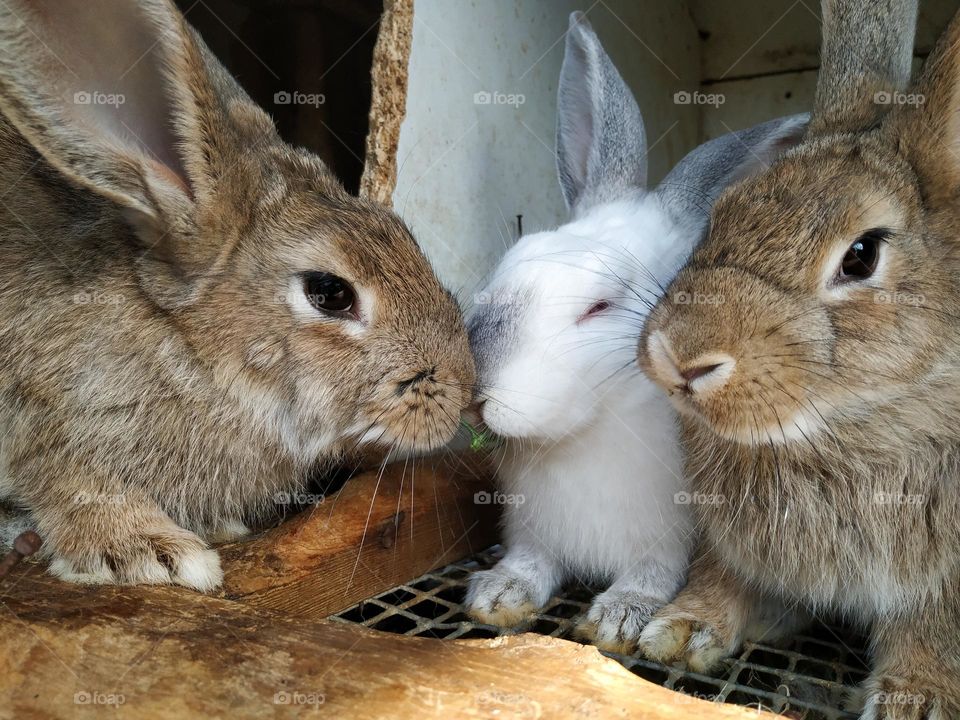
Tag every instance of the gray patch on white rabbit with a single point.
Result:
(492, 329)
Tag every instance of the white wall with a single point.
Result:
(762, 56)
(466, 170)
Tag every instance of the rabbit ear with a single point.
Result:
(866, 55)
(123, 99)
(601, 144)
(690, 189)
(926, 126)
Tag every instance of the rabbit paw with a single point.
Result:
(676, 636)
(501, 598)
(894, 698)
(151, 557)
(615, 620)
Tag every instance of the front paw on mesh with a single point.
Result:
(616, 619)
(500, 598)
(676, 637)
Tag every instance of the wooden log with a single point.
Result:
(380, 530)
(68, 651)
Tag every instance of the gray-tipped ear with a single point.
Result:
(601, 144)
(865, 55)
(690, 189)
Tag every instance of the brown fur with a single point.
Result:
(834, 444)
(151, 363)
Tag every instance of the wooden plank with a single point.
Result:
(388, 100)
(68, 651)
(379, 530)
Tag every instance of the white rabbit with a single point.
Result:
(592, 465)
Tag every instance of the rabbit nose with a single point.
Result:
(473, 414)
(691, 374)
(705, 374)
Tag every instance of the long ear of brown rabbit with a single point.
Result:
(866, 55)
(927, 129)
(148, 119)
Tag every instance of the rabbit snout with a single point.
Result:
(739, 354)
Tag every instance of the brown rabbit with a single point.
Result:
(818, 371)
(192, 313)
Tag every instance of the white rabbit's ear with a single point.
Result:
(690, 189)
(866, 54)
(121, 97)
(601, 143)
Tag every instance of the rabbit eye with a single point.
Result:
(328, 293)
(596, 308)
(862, 256)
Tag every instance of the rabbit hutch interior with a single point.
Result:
(353, 601)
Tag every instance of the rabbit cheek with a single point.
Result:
(738, 356)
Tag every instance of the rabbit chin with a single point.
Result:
(801, 426)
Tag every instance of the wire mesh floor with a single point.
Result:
(809, 678)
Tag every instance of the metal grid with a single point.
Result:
(809, 678)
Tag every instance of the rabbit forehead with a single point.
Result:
(362, 242)
(622, 241)
(779, 224)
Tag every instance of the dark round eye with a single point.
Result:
(862, 256)
(328, 293)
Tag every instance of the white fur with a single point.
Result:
(592, 447)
